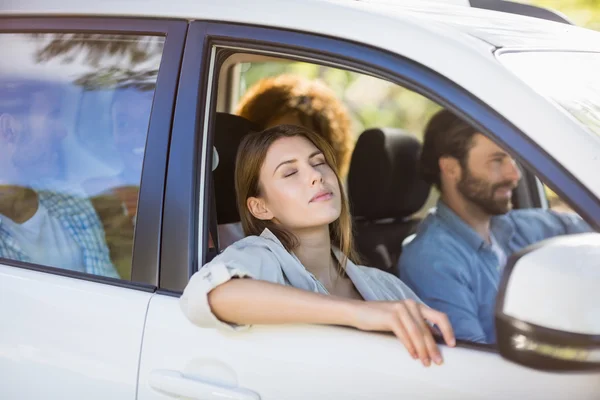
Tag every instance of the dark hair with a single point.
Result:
(445, 135)
(250, 158)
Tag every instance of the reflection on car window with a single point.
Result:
(74, 113)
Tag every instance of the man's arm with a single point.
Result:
(539, 224)
(569, 223)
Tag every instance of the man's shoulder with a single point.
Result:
(431, 233)
(435, 242)
(60, 204)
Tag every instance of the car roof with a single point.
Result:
(453, 19)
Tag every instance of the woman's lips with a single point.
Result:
(321, 196)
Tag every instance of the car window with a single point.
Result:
(370, 102)
(386, 129)
(555, 202)
(374, 126)
(74, 114)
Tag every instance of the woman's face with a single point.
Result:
(298, 189)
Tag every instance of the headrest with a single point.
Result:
(383, 181)
(229, 131)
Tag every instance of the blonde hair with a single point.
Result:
(314, 103)
(250, 158)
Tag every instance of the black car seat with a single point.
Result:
(229, 131)
(384, 190)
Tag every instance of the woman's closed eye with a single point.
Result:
(289, 173)
(318, 161)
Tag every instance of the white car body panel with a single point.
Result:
(64, 338)
(322, 362)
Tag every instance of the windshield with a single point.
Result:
(570, 79)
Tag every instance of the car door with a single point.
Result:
(74, 300)
(295, 361)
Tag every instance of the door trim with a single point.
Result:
(179, 255)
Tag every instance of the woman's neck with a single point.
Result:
(314, 252)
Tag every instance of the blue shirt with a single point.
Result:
(454, 270)
(79, 219)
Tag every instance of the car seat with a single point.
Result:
(385, 190)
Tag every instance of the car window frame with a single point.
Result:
(146, 247)
(187, 249)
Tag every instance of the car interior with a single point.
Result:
(387, 197)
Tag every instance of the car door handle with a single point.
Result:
(174, 383)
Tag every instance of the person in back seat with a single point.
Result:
(293, 99)
(456, 259)
(294, 211)
(130, 116)
(38, 222)
(115, 197)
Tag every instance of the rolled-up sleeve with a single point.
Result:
(237, 261)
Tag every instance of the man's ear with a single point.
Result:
(8, 128)
(450, 168)
(259, 209)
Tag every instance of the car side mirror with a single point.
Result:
(548, 306)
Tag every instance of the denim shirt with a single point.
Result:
(264, 257)
(454, 270)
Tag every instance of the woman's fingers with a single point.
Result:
(407, 320)
(432, 348)
(441, 320)
(401, 334)
(414, 332)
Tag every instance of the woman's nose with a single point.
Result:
(316, 177)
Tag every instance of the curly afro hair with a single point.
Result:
(311, 101)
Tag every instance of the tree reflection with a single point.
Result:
(116, 60)
(118, 77)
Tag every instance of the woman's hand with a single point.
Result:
(407, 320)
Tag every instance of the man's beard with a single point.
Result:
(481, 193)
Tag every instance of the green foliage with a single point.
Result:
(584, 13)
(371, 102)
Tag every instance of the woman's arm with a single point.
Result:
(249, 301)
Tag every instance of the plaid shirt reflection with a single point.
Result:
(80, 221)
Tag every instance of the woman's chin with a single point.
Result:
(314, 221)
(324, 218)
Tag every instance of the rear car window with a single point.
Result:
(74, 114)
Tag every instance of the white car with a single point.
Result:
(70, 332)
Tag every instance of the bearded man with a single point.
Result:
(455, 261)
